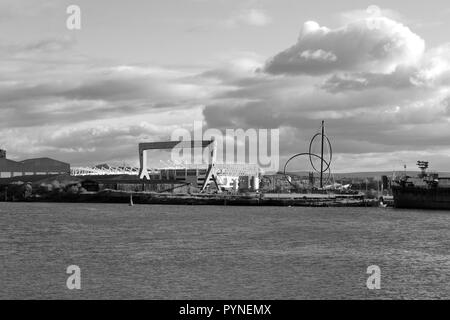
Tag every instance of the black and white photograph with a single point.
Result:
(224, 155)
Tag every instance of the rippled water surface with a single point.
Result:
(207, 252)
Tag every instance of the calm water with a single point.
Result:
(205, 252)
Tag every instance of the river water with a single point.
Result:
(209, 252)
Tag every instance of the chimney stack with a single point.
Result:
(2, 154)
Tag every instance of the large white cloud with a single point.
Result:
(372, 45)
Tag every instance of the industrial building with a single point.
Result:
(223, 177)
(30, 167)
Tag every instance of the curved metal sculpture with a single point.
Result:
(312, 155)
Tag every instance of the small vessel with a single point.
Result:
(131, 200)
(382, 204)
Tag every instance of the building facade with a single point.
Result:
(37, 166)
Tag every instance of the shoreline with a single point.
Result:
(275, 200)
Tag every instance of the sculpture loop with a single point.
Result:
(312, 155)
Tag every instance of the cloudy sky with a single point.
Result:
(137, 70)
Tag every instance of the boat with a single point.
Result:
(131, 200)
(426, 191)
(386, 201)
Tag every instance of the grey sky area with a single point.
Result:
(138, 70)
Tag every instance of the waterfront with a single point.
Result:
(209, 252)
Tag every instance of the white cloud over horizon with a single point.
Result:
(371, 45)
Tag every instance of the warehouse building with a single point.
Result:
(29, 167)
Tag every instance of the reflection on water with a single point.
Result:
(206, 252)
